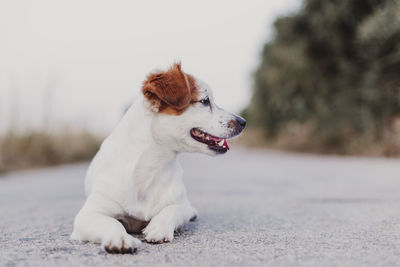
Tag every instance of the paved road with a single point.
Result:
(256, 208)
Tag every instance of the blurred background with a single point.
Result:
(308, 75)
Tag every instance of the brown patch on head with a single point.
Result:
(170, 92)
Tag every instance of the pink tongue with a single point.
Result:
(216, 139)
(226, 144)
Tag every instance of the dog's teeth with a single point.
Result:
(208, 138)
(221, 143)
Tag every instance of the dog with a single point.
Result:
(134, 182)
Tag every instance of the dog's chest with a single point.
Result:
(154, 189)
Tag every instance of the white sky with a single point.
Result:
(78, 63)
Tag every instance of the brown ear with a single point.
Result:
(170, 88)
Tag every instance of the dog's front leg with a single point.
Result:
(162, 226)
(93, 224)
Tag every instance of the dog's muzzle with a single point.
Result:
(237, 125)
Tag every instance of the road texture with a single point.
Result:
(256, 208)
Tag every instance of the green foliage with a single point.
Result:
(334, 65)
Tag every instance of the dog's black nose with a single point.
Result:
(241, 121)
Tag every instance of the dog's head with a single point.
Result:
(186, 117)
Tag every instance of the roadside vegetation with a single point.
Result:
(36, 149)
(329, 81)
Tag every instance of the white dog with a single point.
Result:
(134, 183)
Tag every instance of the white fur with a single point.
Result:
(136, 173)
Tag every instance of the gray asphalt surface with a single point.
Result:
(256, 208)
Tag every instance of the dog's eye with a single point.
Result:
(205, 101)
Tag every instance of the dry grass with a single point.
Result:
(299, 138)
(35, 149)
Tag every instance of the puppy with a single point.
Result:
(134, 183)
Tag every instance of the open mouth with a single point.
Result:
(216, 144)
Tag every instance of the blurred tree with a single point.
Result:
(335, 67)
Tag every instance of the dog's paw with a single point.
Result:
(122, 244)
(194, 216)
(158, 233)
